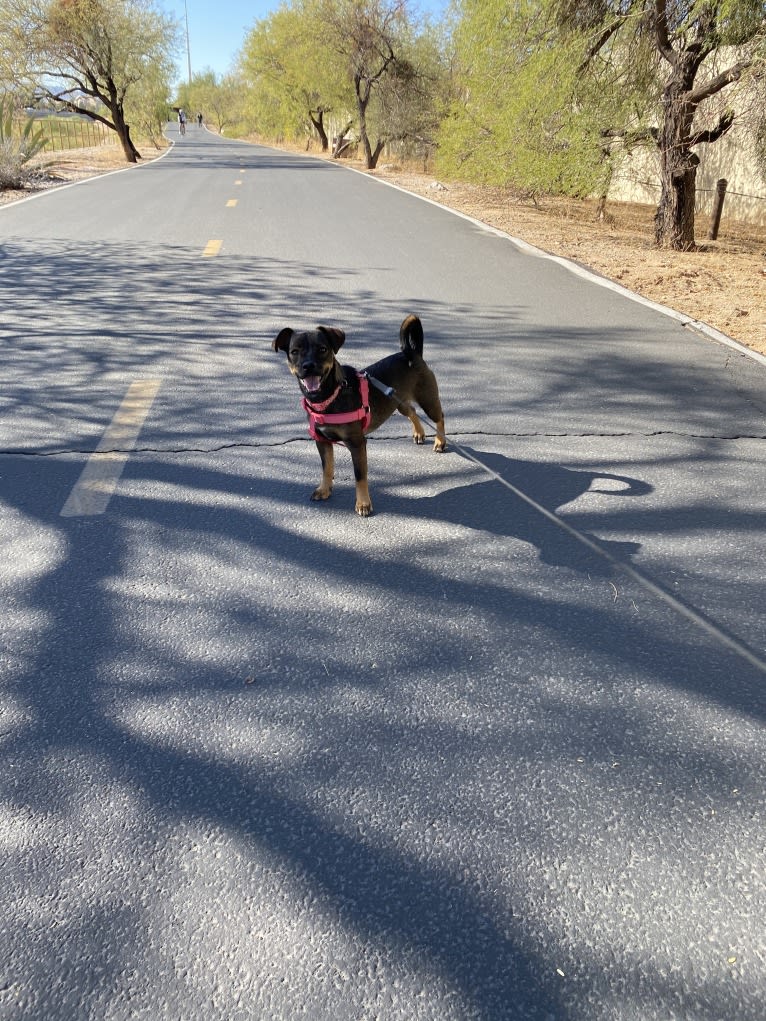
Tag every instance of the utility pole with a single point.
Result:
(188, 47)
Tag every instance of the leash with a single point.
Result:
(652, 587)
(387, 391)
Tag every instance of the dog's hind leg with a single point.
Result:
(418, 432)
(432, 406)
(440, 443)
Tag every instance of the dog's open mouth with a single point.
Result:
(311, 383)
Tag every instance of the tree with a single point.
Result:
(706, 47)
(292, 72)
(107, 51)
(532, 108)
(374, 40)
(554, 90)
(219, 100)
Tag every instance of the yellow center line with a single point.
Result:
(98, 480)
(238, 182)
(231, 203)
(212, 248)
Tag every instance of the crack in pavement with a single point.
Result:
(96, 451)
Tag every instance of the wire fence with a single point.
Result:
(655, 186)
(73, 133)
(741, 205)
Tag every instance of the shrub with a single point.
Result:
(17, 147)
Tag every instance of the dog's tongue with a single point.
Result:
(312, 383)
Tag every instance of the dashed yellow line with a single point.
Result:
(212, 248)
(238, 182)
(231, 203)
(98, 480)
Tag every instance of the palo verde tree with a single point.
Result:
(698, 51)
(220, 99)
(374, 40)
(551, 90)
(522, 115)
(706, 47)
(91, 56)
(293, 74)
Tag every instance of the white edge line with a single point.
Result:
(85, 180)
(588, 274)
(729, 641)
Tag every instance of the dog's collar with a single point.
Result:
(318, 418)
(323, 405)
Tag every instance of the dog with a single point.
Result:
(343, 405)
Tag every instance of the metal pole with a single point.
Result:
(188, 47)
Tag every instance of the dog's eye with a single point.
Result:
(322, 349)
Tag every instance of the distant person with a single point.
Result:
(182, 122)
(199, 120)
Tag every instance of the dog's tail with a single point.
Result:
(411, 336)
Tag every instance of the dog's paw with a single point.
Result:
(440, 445)
(363, 509)
(321, 494)
(418, 438)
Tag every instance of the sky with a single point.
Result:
(217, 29)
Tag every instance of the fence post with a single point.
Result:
(720, 195)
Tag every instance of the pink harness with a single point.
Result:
(318, 418)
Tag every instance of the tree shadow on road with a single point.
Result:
(387, 753)
(496, 508)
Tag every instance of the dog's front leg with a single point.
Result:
(327, 456)
(358, 450)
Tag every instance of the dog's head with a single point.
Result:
(311, 357)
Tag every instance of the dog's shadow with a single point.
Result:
(490, 506)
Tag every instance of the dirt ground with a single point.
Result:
(723, 283)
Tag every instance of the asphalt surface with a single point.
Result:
(496, 752)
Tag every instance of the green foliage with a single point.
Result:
(110, 60)
(221, 101)
(18, 145)
(526, 116)
(739, 21)
(318, 66)
(292, 73)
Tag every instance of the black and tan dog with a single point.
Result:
(343, 405)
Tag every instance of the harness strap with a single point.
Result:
(319, 418)
(324, 404)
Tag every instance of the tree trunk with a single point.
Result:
(364, 136)
(132, 155)
(374, 156)
(674, 219)
(363, 90)
(318, 122)
(340, 142)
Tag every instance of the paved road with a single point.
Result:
(496, 752)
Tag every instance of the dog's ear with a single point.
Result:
(334, 337)
(282, 339)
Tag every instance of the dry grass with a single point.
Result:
(723, 283)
